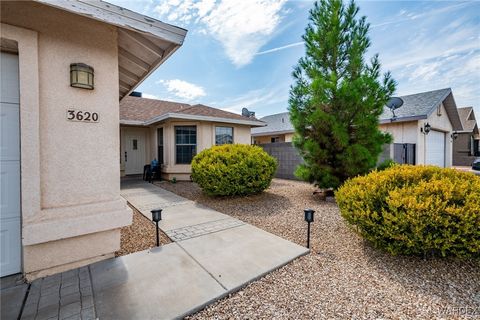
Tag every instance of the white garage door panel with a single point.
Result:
(10, 216)
(435, 148)
(9, 84)
(10, 189)
(10, 261)
(10, 134)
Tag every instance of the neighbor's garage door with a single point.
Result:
(435, 148)
(10, 261)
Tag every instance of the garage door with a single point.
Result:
(10, 260)
(435, 148)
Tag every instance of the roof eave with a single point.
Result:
(172, 115)
(260, 134)
(120, 17)
(403, 119)
(136, 33)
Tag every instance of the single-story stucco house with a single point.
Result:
(65, 65)
(278, 129)
(173, 133)
(422, 129)
(466, 143)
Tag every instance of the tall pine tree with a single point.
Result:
(337, 98)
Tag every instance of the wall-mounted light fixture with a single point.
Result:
(426, 128)
(454, 135)
(81, 76)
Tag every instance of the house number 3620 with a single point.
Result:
(83, 116)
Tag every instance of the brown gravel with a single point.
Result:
(138, 236)
(343, 277)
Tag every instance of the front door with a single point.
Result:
(10, 221)
(134, 153)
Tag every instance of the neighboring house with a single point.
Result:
(422, 128)
(64, 67)
(466, 144)
(174, 133)
(435, 110)
(278, 129)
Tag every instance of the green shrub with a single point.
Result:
(415, 210)
(386, 164)
(233, 169)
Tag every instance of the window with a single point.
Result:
(223, 135)
(275, 139)
(185, 143)
(135, 144)
(160, 145)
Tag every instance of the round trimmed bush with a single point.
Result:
(233, 169)
(415, 210)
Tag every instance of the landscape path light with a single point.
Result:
(309, 213)
(156, 217)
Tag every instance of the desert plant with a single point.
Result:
(338, 97)
(415, 210)
(233, 169)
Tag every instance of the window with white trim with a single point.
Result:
(223, 135)
(185, 144)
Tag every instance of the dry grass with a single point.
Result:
(138, 236)
(343, 277)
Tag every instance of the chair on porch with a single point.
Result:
(152, 171)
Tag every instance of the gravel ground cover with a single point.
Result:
(138, 236)
(343, 277)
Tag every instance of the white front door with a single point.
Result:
(134, 153)
(10, 221)
(435, 148)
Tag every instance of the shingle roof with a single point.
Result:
(144, 110)
(276, 123)
(421, 105)
(468, 119)
(417, 105)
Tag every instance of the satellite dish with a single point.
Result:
(393, 104)
(247, 113)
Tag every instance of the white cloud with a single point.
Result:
(149, 96)
(258, 99)
(242, 27)
(183, 89)
(426, 71)
(295, 44)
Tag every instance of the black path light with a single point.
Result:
(309, 218)
(156, 217)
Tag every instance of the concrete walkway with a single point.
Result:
(212, 255)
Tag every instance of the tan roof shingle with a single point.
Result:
(143, 109)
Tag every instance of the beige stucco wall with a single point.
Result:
(268, 138)
(288, 137)
(70, 170)
(409, 132)
(205, 139)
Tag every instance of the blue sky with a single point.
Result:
(240, 53)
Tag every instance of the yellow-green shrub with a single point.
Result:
(415, 210)
(233, 169)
